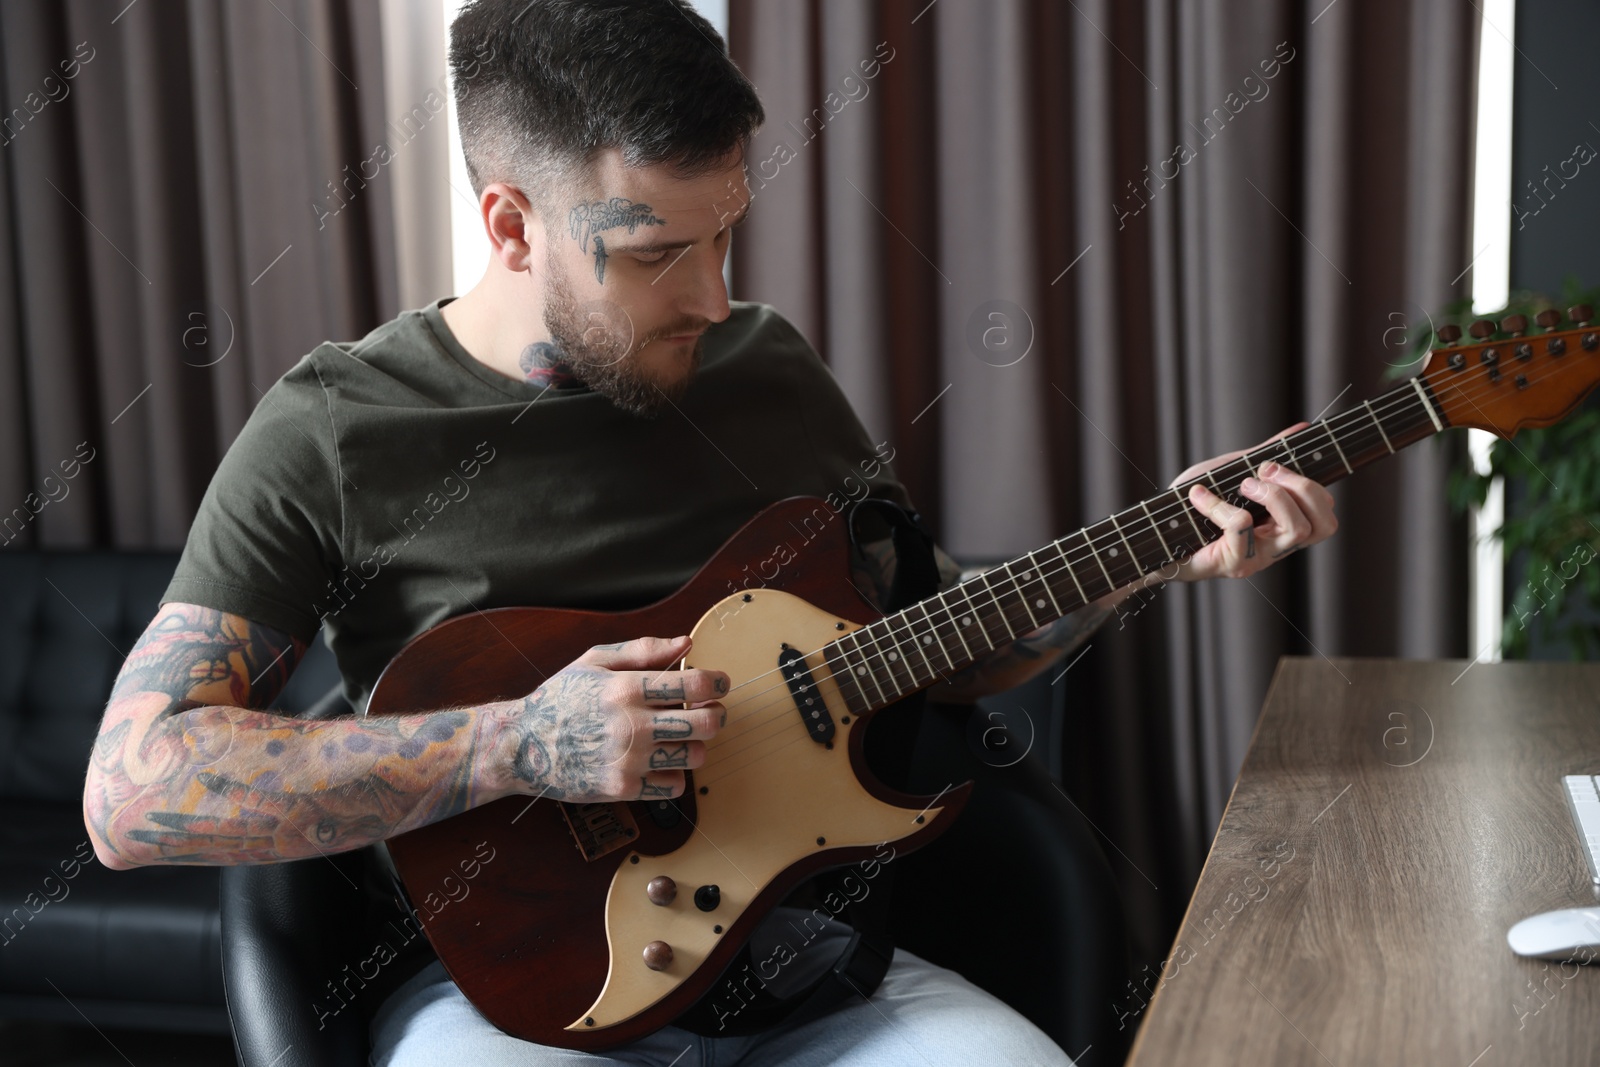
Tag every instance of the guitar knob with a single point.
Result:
(1580, 314)
(1515, 325)
(661, 890)
(1481, 329)
(1449, 333)
(658, 955)
(1549, 318)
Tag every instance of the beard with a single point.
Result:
(596, 339)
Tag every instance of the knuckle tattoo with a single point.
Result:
(663, 687)
(671, 728)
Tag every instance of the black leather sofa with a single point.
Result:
(138, 948)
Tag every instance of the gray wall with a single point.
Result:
(1556, 96)
(1556, 105)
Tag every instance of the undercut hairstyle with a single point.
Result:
(541, 86)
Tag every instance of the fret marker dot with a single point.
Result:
(1112, 552)
(1316, 455)
(893, 656)
(861, 670)
(1027, 576)
(966, 620)
(1172, 524)
(1039, 602)
(927, 640)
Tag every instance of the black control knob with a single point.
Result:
(707, 897)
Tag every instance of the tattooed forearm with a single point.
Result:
(281, 788)
(186, 770)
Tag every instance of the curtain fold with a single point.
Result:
(190, 205)
(1057, 252)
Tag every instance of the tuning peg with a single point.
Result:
(1580, 314)
(1481, 329)
(1515, 325)
(1449, 333)
(1549, 318)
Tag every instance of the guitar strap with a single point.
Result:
(889, 745)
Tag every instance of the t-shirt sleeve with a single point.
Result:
(265, 541)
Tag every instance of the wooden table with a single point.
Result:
(1386, 830)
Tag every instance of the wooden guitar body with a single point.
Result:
(547, 936)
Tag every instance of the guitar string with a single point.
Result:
(725, 757)
(1468, 381)
(1283, 446)
(1399, 397)
(983, 614)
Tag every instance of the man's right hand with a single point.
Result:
(609, 726)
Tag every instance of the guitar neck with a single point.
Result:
(910, 650)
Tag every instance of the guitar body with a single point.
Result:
(543, 913)
(539, 910)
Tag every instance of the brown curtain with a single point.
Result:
(993, 163)
(186, 212)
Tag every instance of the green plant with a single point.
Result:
(1554, 517)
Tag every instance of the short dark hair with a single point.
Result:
(542, 85)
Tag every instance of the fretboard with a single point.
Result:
(912, 649)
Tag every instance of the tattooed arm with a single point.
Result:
(1009, 664)
(187, 769)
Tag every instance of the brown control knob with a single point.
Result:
(661, 890)
(658, 955)
(1580, 314)
(1549, 318)
(1481, 329)
(1515, 325)
(1449, 333)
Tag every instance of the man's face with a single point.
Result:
(633, 276)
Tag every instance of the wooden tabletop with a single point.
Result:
(1392, 820)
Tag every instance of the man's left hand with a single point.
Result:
(1300, 514)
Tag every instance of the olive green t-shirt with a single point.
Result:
(385, 485)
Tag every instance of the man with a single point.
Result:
(583, 428)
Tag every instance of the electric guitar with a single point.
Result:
(596, 924)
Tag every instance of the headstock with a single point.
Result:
(1507, 377)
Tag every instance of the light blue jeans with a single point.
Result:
(920, 1016)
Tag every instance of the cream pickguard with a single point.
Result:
(771, 797)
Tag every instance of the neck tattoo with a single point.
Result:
(544, 364)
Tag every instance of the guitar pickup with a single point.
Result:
(813, 711)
